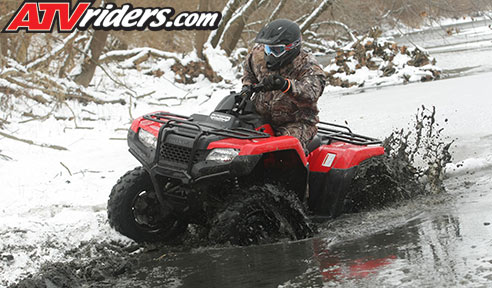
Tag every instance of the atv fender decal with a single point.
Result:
(347, 155)
(330, 157)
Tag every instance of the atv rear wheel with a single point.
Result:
(378, 181)
(134, 211)
(259, 215)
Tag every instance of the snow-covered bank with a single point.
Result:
(459, 45)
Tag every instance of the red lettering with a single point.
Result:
(29, 11)
(28, 16)
(66, 21)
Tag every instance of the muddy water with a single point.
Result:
(443, 240)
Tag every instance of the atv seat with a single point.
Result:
(313, 145)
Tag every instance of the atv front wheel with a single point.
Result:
(134, 211)
(260, 215)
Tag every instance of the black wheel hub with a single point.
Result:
(148, 213)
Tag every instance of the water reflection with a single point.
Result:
(422, 248)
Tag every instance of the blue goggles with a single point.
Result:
(281, 49)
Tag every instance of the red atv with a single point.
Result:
(230, 174)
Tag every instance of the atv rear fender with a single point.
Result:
(332, 168)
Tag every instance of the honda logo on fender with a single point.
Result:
(40, 17)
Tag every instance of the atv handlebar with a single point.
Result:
(247, 92)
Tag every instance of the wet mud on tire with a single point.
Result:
(379, 181)
(259, 215)
(134, 193)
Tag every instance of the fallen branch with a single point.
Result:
(138, 53)
(3, 122)
(66, 168)
(5, 157)
(16, 89)
(315, 14)
(30, 142)
(53, 53)
(276, 11)
(145, 95)
(339, 24)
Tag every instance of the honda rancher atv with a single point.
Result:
(230, 174)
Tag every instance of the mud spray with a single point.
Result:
(413, 166)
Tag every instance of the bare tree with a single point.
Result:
(235, 26)
(201, 36)
(315, 14)
(96, 46)
(227, 13)
(88, 67)
(277, 10)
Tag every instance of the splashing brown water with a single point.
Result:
(413, 165)
(422, 147)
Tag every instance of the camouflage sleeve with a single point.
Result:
(248, 74)
(310, 85)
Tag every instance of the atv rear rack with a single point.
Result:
(334, 132)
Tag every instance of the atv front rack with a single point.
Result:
(175, 120)
(334, 132)
(194, 131)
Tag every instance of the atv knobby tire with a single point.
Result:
(379, 181)
(260, 214)
(134, 211)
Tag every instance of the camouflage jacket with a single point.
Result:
(299, 105)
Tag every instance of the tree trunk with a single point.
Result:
(22, 49)
(227, 13)
(315, 14)
(276, 11)
(234, 28)
(98, 41)
(91, 59)
(201, 36)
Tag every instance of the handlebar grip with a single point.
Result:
(258, 87)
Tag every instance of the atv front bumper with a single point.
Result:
(200, 170)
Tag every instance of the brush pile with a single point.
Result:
(373, 61)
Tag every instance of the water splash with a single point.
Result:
(423, 149)
(413, 165)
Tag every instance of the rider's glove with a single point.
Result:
(275, 82)
(247, 90)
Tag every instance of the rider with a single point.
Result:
(293, 80)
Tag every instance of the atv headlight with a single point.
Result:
(222, 154)
(147, 138)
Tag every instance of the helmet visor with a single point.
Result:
(281, 49)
